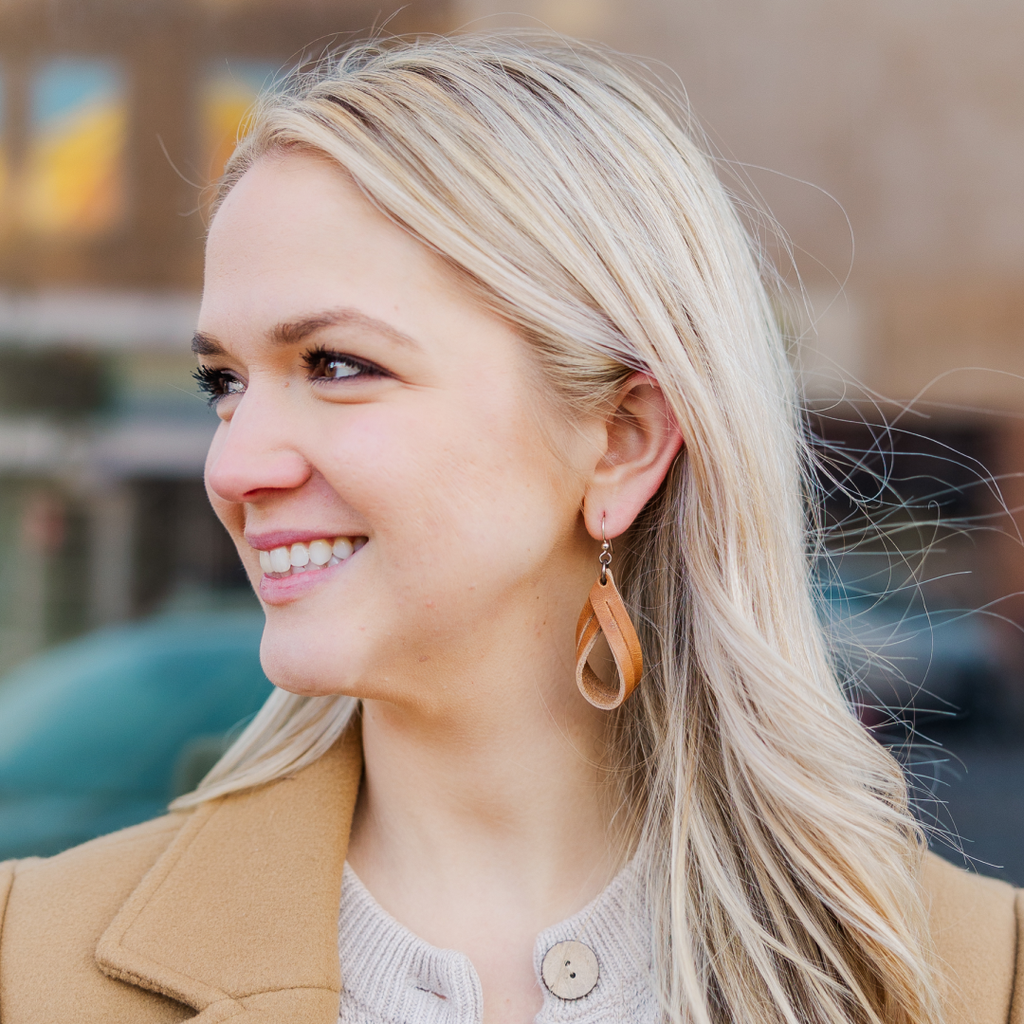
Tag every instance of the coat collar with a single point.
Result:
(239, 916)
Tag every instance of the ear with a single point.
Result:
(641, 440)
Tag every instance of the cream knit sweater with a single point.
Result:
(390, 976)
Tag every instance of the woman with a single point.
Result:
(487, 341)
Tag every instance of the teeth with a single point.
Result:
(317, 554)
(320, 552)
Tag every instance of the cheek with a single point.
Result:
(427, 472)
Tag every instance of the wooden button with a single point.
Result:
(570, 970)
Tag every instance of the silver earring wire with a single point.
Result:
(605, 558)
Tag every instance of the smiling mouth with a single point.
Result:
(294, 559)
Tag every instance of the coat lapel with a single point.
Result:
(239, 916)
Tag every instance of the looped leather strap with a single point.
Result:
(605, 613)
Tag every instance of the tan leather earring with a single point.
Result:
(605, 613)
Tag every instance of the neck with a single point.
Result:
(505, 806)
(486, 810)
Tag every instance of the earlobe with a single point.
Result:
(643, 440)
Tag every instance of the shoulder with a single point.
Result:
(975, 923)
(53, 912)
(96, 874)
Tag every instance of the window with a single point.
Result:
(74, 174)
(4, 158)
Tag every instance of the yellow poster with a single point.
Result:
(229, 92)
(4, 173)
(74, 169)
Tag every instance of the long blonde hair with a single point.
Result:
(780, 856)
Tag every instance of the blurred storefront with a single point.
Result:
(866, 127)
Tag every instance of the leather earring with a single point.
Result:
(605, 613)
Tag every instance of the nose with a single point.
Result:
(252, 453)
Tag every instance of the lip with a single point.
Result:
(286, 538)
(283, 591)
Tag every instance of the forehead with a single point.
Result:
(301, 215)
(296, 237)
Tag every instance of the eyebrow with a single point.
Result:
(290, 332)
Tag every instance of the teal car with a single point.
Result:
(103, 731)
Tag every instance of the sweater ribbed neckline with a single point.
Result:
(392, 976)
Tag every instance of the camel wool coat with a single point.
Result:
(229, 912)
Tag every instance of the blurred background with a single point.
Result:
(886, 138)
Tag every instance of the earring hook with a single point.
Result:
(605, 558)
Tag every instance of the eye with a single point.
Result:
(323, 366)
(217, 384)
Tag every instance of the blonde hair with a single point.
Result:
(780, 855)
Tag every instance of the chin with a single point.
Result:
(292, 664)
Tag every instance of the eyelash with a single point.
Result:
(215, 383)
